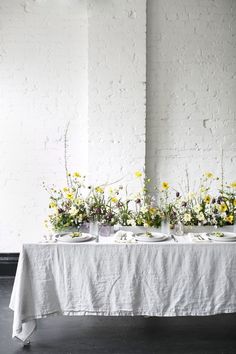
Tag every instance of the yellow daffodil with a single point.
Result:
(69, 196)
(229, 219)
(233, 184)
(209, 175)
(138, 174)
(207, 199)
(165, 185)
(99, 190)
(114, 200)
(222, 207)
(76, 175)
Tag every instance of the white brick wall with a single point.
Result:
(85, 62)
(117, 90)
(191, 87)
(43, 84)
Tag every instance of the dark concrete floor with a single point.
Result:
(120, 335)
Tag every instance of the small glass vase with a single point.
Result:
(94, 228)
(179, 229)
(106, 230)
(165, 226)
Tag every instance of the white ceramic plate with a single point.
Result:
(228, 237)
(156, 237)
(68, 239)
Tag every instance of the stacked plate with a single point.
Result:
(151, 237)
(71, 238)
(222, 236)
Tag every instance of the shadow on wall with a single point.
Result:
(191, 85)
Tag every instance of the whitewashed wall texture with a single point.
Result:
(117, 88)
(84, 62)
(191, 88)
(81, 62)
(43, 85)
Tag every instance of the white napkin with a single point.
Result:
(199, 238)
(124, 237)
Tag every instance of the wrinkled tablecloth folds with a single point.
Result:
(156, 279)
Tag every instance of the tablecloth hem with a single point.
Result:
(129, 313)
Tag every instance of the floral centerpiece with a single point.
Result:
(67, 205)
(210, 205)
(140, 209)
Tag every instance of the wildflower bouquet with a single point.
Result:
(102, 208)
(145, 211)
(209, 205)
(67, 205)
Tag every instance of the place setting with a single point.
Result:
(216, 236)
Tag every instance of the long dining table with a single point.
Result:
(106, 278)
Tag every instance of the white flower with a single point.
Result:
(201, 217)
(187, 217)
(144, 209)
(73, 211)
(145, 225)
(131, 222)
(197, 208)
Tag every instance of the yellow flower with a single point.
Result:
(165, 185)
(149, 180)
(66, 189)
(235, 202)
(207, 199)
(53, 205)
(99, 190)
(114, 200)
(152, 210)
(138, 174)
(69, 195)
(230, 219)
(222, 207)
(233, 184)
(76, 175)
(209, 175)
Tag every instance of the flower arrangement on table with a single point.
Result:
(210, 205)
(101, 207)
(67, 205)
(214, 204)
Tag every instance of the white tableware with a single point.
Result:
(155, 237)
(199, 237)
(69, 239)
(227, 237)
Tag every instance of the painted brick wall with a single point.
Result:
(117, 88)
(43, 85)
(191, 87)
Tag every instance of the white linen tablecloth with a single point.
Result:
(154, 279)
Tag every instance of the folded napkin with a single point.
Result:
(124, 237)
